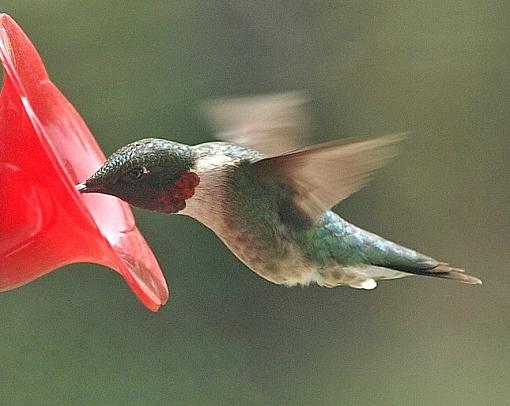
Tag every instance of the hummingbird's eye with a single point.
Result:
(136, 173)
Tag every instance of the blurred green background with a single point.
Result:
(227, 337)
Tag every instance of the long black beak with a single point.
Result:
(82, 187)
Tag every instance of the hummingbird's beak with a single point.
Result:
(81, 187)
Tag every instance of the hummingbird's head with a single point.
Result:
(153, 174)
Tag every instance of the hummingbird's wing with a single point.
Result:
(322, 175)
(271, 124)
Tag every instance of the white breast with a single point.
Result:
(208, 203)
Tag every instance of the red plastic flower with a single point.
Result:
(45, 149)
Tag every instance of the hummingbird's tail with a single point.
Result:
(393, 256)
(445, 271)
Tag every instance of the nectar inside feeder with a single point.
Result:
(45, 149)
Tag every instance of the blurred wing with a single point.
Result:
(271, 124)
(321, 176)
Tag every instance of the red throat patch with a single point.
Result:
(184, 187)
(174, 199)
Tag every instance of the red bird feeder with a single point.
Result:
(45, 149)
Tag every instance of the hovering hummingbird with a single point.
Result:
(268, 197)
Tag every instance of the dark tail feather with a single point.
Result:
(446, 271)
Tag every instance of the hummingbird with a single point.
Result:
(268, 195)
